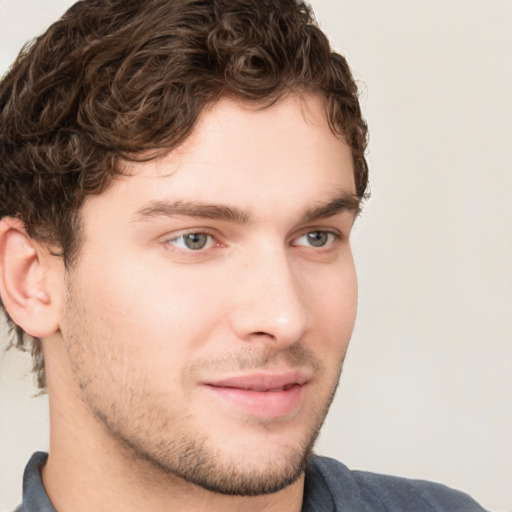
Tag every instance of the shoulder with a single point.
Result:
(328, 479)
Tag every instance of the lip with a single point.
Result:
(263, 381)
(263, 395)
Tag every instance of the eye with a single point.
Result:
(193, 241)
(316, 239)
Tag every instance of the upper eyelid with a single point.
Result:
(338, 232)
(334, 232)
(181, 235)
(312, 229)
(210, 232)
(190, 231)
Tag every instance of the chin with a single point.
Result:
(247, 470)
(246, 477)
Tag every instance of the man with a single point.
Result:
(178, 184)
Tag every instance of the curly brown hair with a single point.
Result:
(127, 79)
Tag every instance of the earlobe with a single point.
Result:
(23, 281)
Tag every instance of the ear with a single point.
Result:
(25, 287)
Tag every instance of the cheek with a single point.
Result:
(333, 307)
(332, 292)
(162, 314)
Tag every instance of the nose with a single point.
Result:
(270, 304)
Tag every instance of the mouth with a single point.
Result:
(262, 395)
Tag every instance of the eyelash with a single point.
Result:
(333, 236)
(190, 234)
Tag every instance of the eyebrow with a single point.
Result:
(193, 209)
(342, 202)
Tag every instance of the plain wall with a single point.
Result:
(427, 386)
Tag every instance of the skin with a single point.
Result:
(145, 324)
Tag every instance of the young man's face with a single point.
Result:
(213, 300)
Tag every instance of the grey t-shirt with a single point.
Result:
(330, 487)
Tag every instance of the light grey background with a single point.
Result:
(427, 386)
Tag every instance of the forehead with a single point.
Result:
(243, 142)
(255, 159)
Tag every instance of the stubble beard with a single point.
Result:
(192, 459)
(148, 433)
